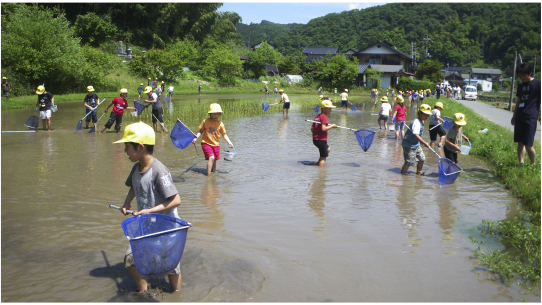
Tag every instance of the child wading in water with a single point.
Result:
(319, 131)
(151, 185)
(455, 137)
(211, 129)
(412, 151)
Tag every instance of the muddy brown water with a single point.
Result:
(265, 227)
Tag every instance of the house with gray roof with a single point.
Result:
(491, 75)
(385, 57)
(318, 53)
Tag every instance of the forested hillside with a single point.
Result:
(461, 33)
(265, 31)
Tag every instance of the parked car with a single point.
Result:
(469, 92)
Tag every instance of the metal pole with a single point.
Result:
(513, 80)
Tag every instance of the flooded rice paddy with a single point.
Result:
(266, 228)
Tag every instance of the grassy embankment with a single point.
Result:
(521, 235)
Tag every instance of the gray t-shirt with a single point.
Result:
(433, 118)
(455, 136)
(158, 104)
(152, 187)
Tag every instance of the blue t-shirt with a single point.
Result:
(529, 96)
(44, 101)
(410, 141)
(91, 100)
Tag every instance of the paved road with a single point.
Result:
(496, 115)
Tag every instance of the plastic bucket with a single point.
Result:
(392, 127)
(228, 155)
(157, 242)
(54, 108)
(465, 149)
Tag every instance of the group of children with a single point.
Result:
(411, 139)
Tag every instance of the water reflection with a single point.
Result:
(210, 195)
(408, 211)
(317, 199)
(446, 194)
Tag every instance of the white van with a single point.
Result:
(469, 92)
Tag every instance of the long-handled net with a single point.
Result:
(448, 171)
(181, 136)
(448, 123)
(33, 121)
(157, 242)
(364, 136)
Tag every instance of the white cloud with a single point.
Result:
(363, 5)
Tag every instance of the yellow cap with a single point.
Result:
(215, 108)
(162, 82)
(345, 90)
(281, 90)
(327, 104)
(4, 77)
(439, 104)
(123, 90)
(321, 97)
(90, 89)
(141, 84)
(459, 119)
(425, 109)
(140, 133)
(40, 90)
(147, 89)
(399, 99)
(384, 99)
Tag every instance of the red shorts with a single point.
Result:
(209, 151)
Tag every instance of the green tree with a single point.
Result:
(99, 64)
(373, 77)
(54, 59)
(261, 57)
(165, 62)
(430, 69)
(187, 52)
(94, 29)
(336, 71)
(224, 65)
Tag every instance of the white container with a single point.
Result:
(228, 155)
(54, 108)
(134, 113)
(391, 127)
(485, 130)
(465, 149)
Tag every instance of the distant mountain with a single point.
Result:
(254, 33)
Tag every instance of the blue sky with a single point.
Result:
(284, 13)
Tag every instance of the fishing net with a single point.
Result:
(139, 107)
(316, 108)
(181, 136)
(157, 242)
(448, 171)
(32, 122)
(365, 138)
(265, 106)
(448, 123)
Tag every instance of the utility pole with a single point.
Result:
(413, 44)
(513, 80)
(426, 40)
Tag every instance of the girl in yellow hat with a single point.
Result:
(211, 129)
(384, 114)
(434, 128)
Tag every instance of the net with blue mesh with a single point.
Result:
(265, 106)
(448, 123)
(316, 108)
(32, 122)
(139, 107)
(157, 242)
(365, 138)
(181, 136)
(448, 171)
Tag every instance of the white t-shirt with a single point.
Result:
(385, 109)
(285, 98)
(344, 96)
(433, 118)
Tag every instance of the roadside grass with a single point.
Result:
(520, 261)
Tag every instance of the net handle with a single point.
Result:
(117, 208)
(427, 147)
(337, 126)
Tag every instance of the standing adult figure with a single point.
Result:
(438, 92)
(91, 101)
(199, 89)
(526, 113)
(45, 101)
(284, 98)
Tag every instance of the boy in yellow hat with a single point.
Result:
(119, 104)
(91, 101)
(157, 110)
(344, 98)
(412, 152)
(151, 185)
(45, 101)
(211, 129)
(140, 89)
(284, 98)
(384, 114)
(434, 127)
(319, 131)
(455, 137)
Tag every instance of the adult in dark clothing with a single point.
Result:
(526, 113)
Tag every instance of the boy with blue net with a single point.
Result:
(151, 185)
(412, 151)
(211, 129)
(455, 137)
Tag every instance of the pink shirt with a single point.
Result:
(401, 112)
(119, 104)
